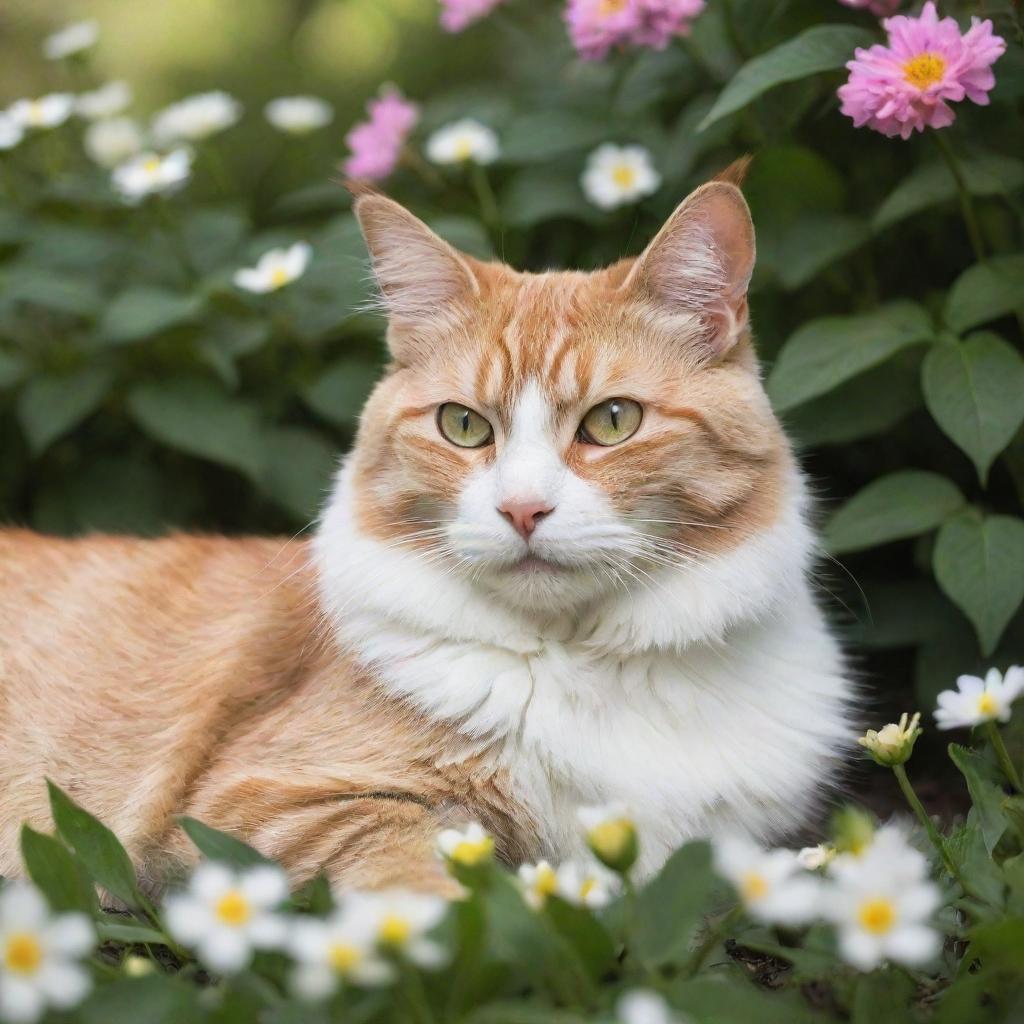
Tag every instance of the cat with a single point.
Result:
(566, 563)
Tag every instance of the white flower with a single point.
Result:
(196, 117)
(225, 914)
(468, 847)
(45, 112)
(584, 885)
(980, 700)
(399, 921)
(644, 1006)
(275, 268)
(71, 39)
(611, 835)
(616, 175)
(810, 858)
(299, 114)
(112, 142)
(106, 101)
(342, 948)
(461, 141)
(10, 132)
(771, 883)
(880, 903)
(149, 173)
(39, 955)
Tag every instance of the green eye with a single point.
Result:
(462, 426)
(611, 422)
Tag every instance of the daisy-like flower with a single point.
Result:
(644, 1006)
(977, 700)
(196, 117)
(880, 903)
(376, 144)
(469, 847)
(584, 885)
(104, 102)
(893, 743)
(40, 955)
(618, 175)
(400, 922)
(597, 26)
(611, 835)
(226, 914)
(10, 132)
(299, 115)
(275, 269)
(112, 142)
(45, 112)
(458, 14)
(339, 950)
(151, 173)
(812, 858)
(880, 8)
(461, 142)
(72, 39)
(908, 84)
(771, 883)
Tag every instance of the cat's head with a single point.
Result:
(552, 437)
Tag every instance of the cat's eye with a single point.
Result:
(611, 422)
(462, 426)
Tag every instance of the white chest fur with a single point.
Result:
(706, 701)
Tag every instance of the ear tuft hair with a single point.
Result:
(736, 172)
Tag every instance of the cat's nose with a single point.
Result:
(524, 515)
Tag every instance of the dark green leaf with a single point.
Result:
(466, 234)
(156, 999)
(75, 296)
(986, 793)
(12, 369)
(53, 868)
(145, 310)
(812, 244)
(891, 508)
(213, 237)
(986, 292)
(128, 932)
(50, 405)
(883, 997)
(977, 562)
(297, 469)
(727, 997)
(585, 933)
(217, 845)
(537, 194)
(340, 392)
(542, 134)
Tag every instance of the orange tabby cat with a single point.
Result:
(565, 563)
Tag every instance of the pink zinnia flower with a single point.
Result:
(596, 26)
(881, 8)
(377, 144)
(906, 86)
(457, 14)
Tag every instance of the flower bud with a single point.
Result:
(894, 743)
(469, 848)
(137, 966)
(854, 831)
(611, 836)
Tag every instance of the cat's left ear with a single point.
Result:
(699, 265)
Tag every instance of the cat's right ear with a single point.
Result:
(422, 279)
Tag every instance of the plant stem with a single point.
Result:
(922, 816)
(1005, 761)
(417, 994)
(966, 204)
(712, 938)
(485, 197)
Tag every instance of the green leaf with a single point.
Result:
(98, 849)
(585, 933)
(340, 392)
(542, 134)
(883, 997)
(213, 237)
(824, 353)
(977, 562)
(812, 244)
(820, 48)
(53, 868)
(297, 468)
(986, 793)
(534, 195)
(985, 292)
(975, 391)
(728, 997)
(128, 932)
(157, 999)
(217, 845)
(145, 310)
(672, 906)
(52, 404)
(195, 416)
(465, 233)
(933, 183)
(896, 506)
(13, 369)
(74, 296)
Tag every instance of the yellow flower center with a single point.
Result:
(588, 886)
(877, 915)
(753, 887)
(924, 70)
(987, 705)
(394, 930)
(624, 176)
(279, 277)
(233, 909)
(546, 882)
(463, 148)
(23, 954)
(610, 7)
(151, 165)
(343, 956)
(472, 852)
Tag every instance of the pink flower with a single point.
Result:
(457, 14)
(596, 26)
(377, 144)
(906, 86)
(881, 8)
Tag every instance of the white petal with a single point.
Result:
(912, 944)
(225, 950)
(268, 931)
(373, 971)
(859, 949)
(211, 880)
(265, 886)
(251, 280)
(22, 906)
(20, 1001)
(71, 935)
(643, 1006)
(314, 982)
(971, 686)
(308, 940)
(64, 984)
(426, 953)
(187, 919)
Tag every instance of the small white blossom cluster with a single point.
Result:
(976, 701)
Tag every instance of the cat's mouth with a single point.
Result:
(534, 563)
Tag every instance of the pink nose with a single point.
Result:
(524, 515)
